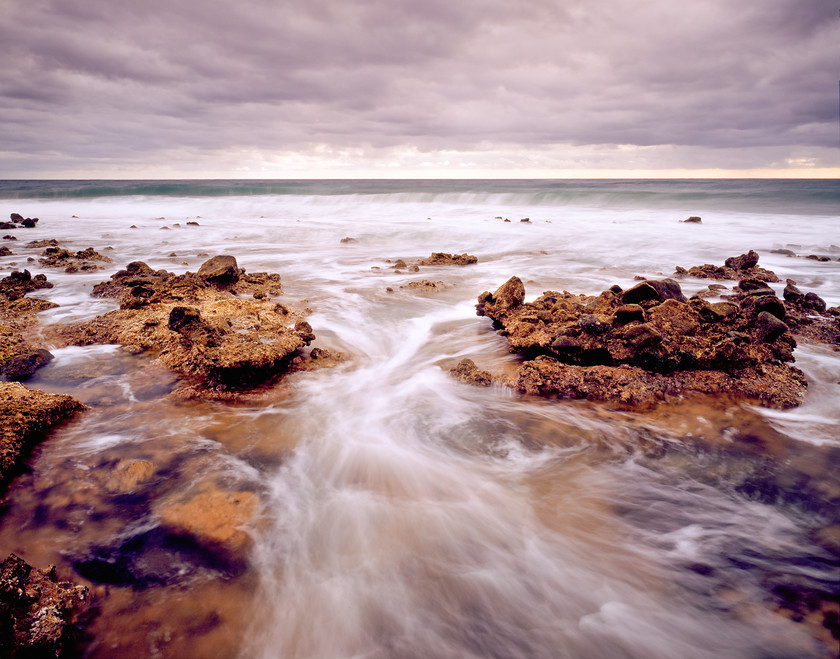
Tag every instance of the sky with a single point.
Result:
(418, 88)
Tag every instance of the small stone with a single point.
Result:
(642, 336)
(768, 327)
(693, 220)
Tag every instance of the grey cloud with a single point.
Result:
(91, 79)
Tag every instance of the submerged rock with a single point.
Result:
(640, 346)
(37, 611)
(442, 258)
(466, 371)
(86, 259)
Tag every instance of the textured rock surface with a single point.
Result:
(744, 266)
(25, 418)
(197, 324)
(37, 611)
(648, 343)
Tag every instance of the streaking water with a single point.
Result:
(403, 514)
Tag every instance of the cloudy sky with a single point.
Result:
(418, 88)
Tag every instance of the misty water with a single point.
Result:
(399, 512)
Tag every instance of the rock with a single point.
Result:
(818, 257)
(16, 217)
(441, 258)
(220, 270)
(348, 239)
(466, 371)
(37, 612)
(25, 418)
(192, 223)
(9, 237)
(815, 302)
(793, 294)
(652, 290)
(20, 367)
(129, 475)
(785, 252)
(693, 220)
(212, 516)
(742, 262)
(525, 219)
(652, 349)
(627, 313)
(508, 296)
(7, 225)
(210, 332)
(768, 327)
(735, 267)
(400, 264)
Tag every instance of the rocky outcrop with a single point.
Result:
(442, 258)
(37, 611)
(466, 371)
(643, 345)
(83, 260)
(199, 324)
(18, 358)
(26, 416)
(737, 268)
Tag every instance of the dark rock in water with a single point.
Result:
(768, 327)
(5, 251)
(467, 372)
(742, 262)
(525, 219)
(772, 305)
(9, 237)
(693, 220)
(792, 294)
(16, 217)
(21, 367)
(30, 222)
(818, 257)
(666, 289)
(508, 296)
(615, 288)
(7, 225)
(220, 269)
(755, 287)
(815, 301)
(37, 611)
(348, 239)
(192, 223)
(785, 252)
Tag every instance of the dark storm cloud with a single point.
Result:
(125, 81)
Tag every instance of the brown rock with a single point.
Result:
(26, 416)
(37, 612)
(221, 270)
(442, 258)
(466, 371)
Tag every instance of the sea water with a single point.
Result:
(402, 513)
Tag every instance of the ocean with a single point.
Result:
(400, 513)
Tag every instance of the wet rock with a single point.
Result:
(666, 289)
(818, 257)
(5, 251)
(785, 252)
(348, 239)
(653, 349)
(744, 266)
(793, 294)
(129, 475)
(37, 611)
(86, 259)
(20, 282)
(466, 371)
(441, 258)
(9, 237)
(815, 302)
(21, 367)
(16, 217)
(198, 325)
(221, 270)
(694, 219)
(399, 264)
(768, 327)
(214, 517)
(26, 416)
(29, 222)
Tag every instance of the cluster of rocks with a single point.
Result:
(200, 324)
(17, 220)
(37, 611)
(822, 258)
(18, 357)
(83, 260)
(740, 267)
(639, 346)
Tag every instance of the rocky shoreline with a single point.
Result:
(227, 335)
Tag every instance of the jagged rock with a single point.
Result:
(16, 217)
(220, 270)
(86, 259)
(466, 371)
(737, 268)
(5, 251)
(25, 418)
(658, 345)
(37, 611)
(20, 282)
(441, 258)
(197, 324)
